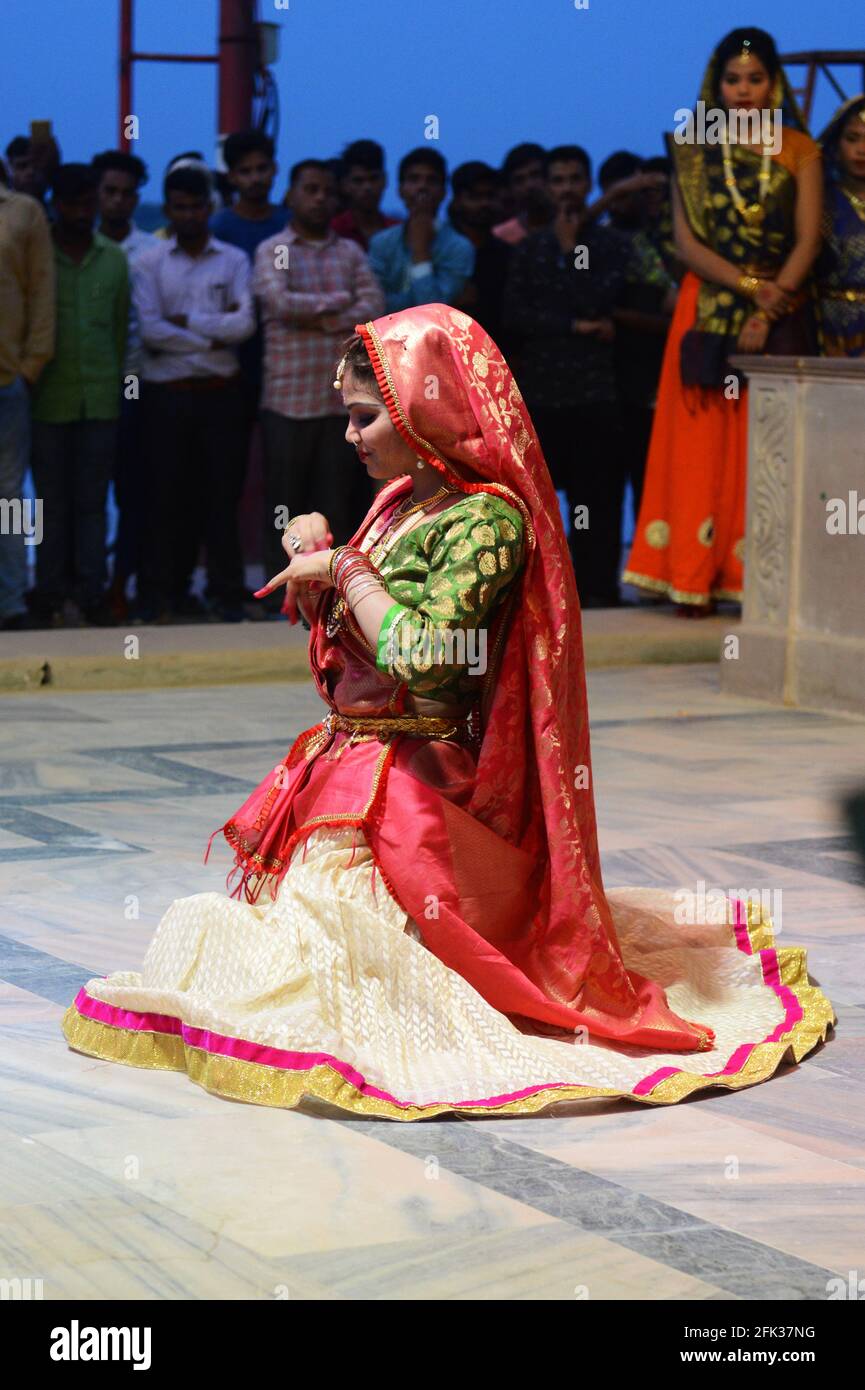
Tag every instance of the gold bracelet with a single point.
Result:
(333, 554)
(748, 285)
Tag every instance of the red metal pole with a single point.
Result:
(238, 60)
(809, 91)
(125, 71)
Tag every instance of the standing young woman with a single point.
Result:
(840, 270)
(425, 926)
(747, 225)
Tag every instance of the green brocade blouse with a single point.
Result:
(446, 579)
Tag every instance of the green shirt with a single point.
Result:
(447, 578)
(83, 379)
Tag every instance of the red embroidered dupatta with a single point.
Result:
(493, 853)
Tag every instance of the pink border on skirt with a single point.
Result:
(771, 977)
(260, 1054)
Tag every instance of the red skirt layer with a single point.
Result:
(474, 894)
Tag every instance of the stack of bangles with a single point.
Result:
(353, 574)
(748, 285)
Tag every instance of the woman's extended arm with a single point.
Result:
(697, 257)
(313, 532)
(768, 295)
(312, 567)
(477, 556)
(809, 212)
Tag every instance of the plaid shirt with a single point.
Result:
(331, 278)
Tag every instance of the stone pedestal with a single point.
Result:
(802, 637)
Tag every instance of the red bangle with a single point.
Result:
(348, 563)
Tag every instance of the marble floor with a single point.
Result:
(125, 1184)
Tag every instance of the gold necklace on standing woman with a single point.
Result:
(752, 214)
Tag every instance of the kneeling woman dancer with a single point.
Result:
(419, 923)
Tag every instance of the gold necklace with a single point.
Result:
(380, 547)
(399, 514)
(402, 510)
(752, 214)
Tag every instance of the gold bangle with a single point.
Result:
(748, 285)
(333, 555)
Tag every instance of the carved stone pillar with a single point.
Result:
(802, 637)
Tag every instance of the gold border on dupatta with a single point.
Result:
(497, 489)
(689, 168)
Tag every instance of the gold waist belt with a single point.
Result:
(416, 725)
(852, 296)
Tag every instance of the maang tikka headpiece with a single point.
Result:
(340, 372)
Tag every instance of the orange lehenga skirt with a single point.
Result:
(690, 534)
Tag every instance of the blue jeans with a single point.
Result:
(14, 457)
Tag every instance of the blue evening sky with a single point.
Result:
(494, 72)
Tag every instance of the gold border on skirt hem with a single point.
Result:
(259, 1084)
(661, 586)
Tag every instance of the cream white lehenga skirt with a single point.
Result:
(329, 992)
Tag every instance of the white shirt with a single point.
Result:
(136, 241)
(167, 281)
(133, 244)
